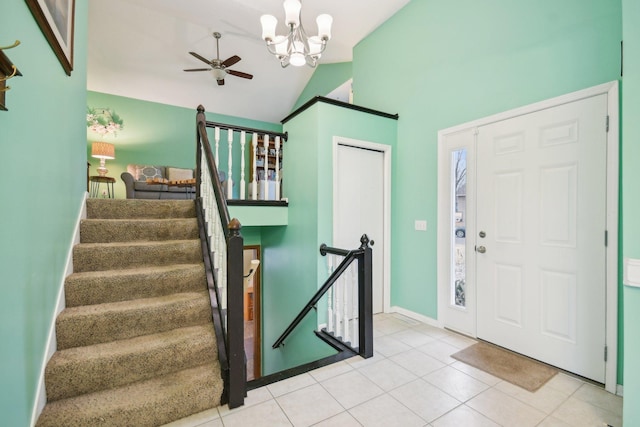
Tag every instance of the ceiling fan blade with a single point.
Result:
(198, 69)
(220, 82)
(240, 74)
(230, 61)
(201, 58)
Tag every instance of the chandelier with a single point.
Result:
(296, 48)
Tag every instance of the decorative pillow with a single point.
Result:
(177, 174)
(148, 172)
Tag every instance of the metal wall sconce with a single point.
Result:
(7, 71)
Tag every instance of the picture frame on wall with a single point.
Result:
(56, 20)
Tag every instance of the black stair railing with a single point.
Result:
(363, 256)
(222, 246)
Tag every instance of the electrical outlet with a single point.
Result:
(421, 225)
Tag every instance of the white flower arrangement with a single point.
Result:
(104, 121)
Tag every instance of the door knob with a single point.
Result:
(481, 249)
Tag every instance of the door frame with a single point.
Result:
(611, 89)
(386, 197)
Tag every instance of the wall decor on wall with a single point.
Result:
(7, 71)
(55, 18)
(104, 121)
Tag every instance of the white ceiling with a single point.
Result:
(138, 49)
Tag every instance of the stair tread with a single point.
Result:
(78, 370)
(137, 243)
(135, 271)
(146, 403)
(131, 305)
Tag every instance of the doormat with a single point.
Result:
(512, 367)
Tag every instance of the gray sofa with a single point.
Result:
(135, 180)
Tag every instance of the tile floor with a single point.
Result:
(413, 381)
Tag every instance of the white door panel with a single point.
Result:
(541, 192)
(360, 207)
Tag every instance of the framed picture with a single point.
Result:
(55, 18)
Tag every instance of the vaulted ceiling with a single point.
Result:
(139, 48)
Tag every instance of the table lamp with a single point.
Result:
(103, 151)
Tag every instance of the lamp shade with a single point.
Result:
(103, 150)
(269, 23)
(292, 12)
(324, 22)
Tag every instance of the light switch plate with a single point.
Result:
(631, 272)
(421, 225)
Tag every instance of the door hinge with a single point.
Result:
(605, 352)
(606, 238)
(607, 123)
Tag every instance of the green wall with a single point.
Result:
(458, 61)
(291, 257)
(325, 79)
(161, 134)
(42, 147)
(631, 203)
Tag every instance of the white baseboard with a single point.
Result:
(52, 346)
(415, 316)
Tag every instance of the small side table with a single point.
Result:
(96, 180)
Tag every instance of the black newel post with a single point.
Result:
(235, 317)
(365, 299)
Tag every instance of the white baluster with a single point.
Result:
(265, 181)
(277, 185)
(337, 307)
(243, 136)
(345, 311)
(330, 295)
(354, 304)
(230, 165)
(254, 172)
(217, 139)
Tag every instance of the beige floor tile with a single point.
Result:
(458, 384)
(552, 421)
(578, 413)
(387, 374)
(351, 389)
(459, 341)
(433, 331)
(546, 398)
(599, 397)
(359, 362)
(564, 383)
(266, 414)
(390, 325)
(413, 338)
(505, 410)
(343, 419)
(254, 397)
(440, 350)
(309, 405)
(424, 399)
(291, 384)
(463, 416)
(389, 346)
(213, 423)
(329, 371)
(385, 411)
(417, 362)
(476, 373)
(198, 419)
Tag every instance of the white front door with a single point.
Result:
(540, 235)
(359, 191)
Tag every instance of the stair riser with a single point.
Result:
(166, 399)
(98, 289)
(106, 231)
(87, 369)
(96, 257)
(130, 209)
(75, 330)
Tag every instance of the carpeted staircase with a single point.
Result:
(136, 345)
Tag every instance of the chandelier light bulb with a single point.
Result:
(269, 23)
(292, 12)
(297, 59)
(324, 22)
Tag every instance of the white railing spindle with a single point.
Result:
(254, 172)
(230, 165)
(217, 139)
(277, 177)
(243, 136)
(265, 180)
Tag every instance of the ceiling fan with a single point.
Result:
(218, 67)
